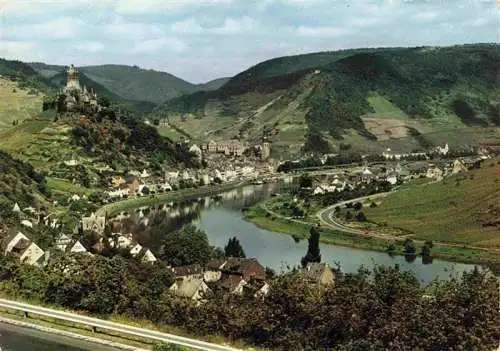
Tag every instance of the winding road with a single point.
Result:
(326, 217)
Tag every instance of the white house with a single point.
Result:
(144, 174)
(16, 208)
(27, 223)
(78, 248)
(318, 190)
(134, 251)
(75, 197)
(392, 179)
(190, 288)
(32, 255)
(13, 242)
(62, 242)
(27, 250)
(148, 257)
(94, 223)
(434, 173)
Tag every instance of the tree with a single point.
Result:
(357, 206)
(234, 249)
(361, 217)
(313, 252)
(426, 252)
(305, 181)
(185, 246)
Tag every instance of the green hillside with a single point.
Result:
(19, 183)
(17, 103)
(133, 83)
(211, 85)
(366, 97)
(464, 208)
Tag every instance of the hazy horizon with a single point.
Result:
(208, 39)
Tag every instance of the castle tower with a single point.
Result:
(265, 150)
(72, 83)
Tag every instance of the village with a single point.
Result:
(237, 275)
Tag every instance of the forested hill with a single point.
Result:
(132, 82)
(325, 96)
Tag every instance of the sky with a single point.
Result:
(199, 40)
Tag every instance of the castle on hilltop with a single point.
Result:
(73, 96)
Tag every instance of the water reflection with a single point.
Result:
(222, 217)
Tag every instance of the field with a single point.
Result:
(38, 141)
(456, 210)
(170, 133)
(17, 104)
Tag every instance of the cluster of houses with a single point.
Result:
(230, 148)
(243, 276)
(28, 252)
(437, 171)
(20, 245)
(137, 183)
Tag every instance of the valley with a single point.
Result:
(133, 195)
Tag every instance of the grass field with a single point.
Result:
(17, 104)
(259, 216)
(385, 108)
(170, 133)
(63, 186)
(452, 211)
(39, 141)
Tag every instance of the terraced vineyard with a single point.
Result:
(463, 209)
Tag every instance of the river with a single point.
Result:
(222, 217)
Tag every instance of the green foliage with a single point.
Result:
(185, 246)
(381, 310)
(333, 89)
(234, 249)
(166, 347)
(313, 253)
(26, 75)
(19, 182)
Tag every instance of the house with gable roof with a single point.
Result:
(94, 223)
(27, 251)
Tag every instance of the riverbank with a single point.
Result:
(259, 216)
(184, 194)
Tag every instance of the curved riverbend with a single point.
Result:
(222, 218)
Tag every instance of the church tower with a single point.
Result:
(72, 83)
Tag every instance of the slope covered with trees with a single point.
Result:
(132, 82)
(327, 96)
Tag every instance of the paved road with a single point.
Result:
(326, 216)
(121, 328)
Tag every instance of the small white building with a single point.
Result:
(27, 223)
(16, 208)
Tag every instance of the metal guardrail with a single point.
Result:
(112, 326)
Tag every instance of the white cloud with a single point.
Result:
(91, 46)
(152, 6)
(15, 50)
(320, 31)
(160, 44)
(188, 26)
(30, 6)
(61, 28)
(235, 26)
(477, 22)
(424, 16)
(122, 29)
